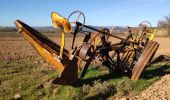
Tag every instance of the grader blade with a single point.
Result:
(49, 51)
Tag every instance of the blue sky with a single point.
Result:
(97, 12)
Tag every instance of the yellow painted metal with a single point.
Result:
(62, 44)
(61, 22)
(64, 25)
(152, 36)
(50, 52)
(50, 58)
(53, 59)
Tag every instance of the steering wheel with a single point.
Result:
(79, 25)
(145, 24)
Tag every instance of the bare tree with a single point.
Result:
(165, 23)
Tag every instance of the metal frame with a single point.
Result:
(129, 55)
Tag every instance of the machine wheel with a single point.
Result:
(147, 54)
(127, 59)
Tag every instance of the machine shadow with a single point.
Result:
(147, 74)
(102, 78)
(156, 72)
(89, 81)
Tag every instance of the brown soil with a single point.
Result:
(164, 48)
(160, 90)
(14, 48)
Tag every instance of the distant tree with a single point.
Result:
(165, 23)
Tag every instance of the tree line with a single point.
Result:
(163, 23)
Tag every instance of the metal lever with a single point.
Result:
(74, 36)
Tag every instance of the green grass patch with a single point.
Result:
(25, 77)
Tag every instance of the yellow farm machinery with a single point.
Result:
(130, 56)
